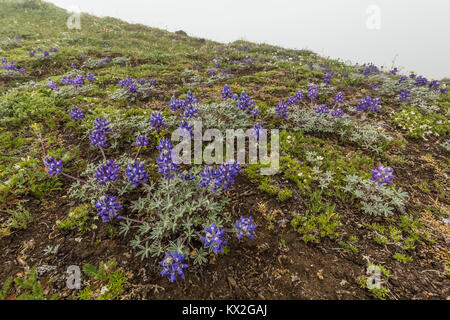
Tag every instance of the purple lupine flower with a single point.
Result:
(107, 59)
(394, 71)
(128, 83)
(244, 101)
(76, 114)
(173, 266)
(66, 81)
(402, 79)
(54, 167)
(101, 125)
(228, 171)
(217, 65)
(175, 104)
(327, 77)
(211, 72)
(210, 177)
(421, 81)
(434, 84)
(322, 109)
(157, 121)
(108, 208)
(191, 98)
(214, 238)
(254, 111)
(226, 92)
(4, 60)
(369, 104)
(74, 66)
(38, 49)
(90, 77)
(53, 50)
(443, 90)
(382, 175)
(79, 81)
(346, 75)
(257, 130)
(337, 113)
(404, 94)
(311, 65)
(184, 129)
(412, 75)
(282, 109)
(245, 227)
(374, 85)
(31, 53)
(141, 141)
(190, 111)
(166, 165)
(186, 176)
(98, 139)
(46, 54)
(339, 98)
(313, 93)
(53, 85)
(107, 172)
(136, 173)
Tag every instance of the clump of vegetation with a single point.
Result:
(419, 125)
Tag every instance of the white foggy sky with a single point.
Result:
(418, 31)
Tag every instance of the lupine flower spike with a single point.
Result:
(173, 266)
(382, 175)
(245, 227)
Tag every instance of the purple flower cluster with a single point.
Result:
(54, 167)
(76, 114)
(369, 104)
(136, 173)
(337, 113)
(313, 93)
(78, 81)
(382, 175)
(184, 129)
(187, 105)
(404, 94)
(327, 77)
(166, 166)
(98, 138)
(282, 107)
(226, 92)
(45, 53)
(173, 266)
(53, 85)
(421, 81)
(157, 121)
(11, 66)
(223, 176)
(370, 68)
(106, 60)
(245, 227)
(244, 101)
(141, 141)
(322, 109)
(108, 208)
(132, 85)
(339, 98)
(107, 172)
(257, 130)
(214, 238)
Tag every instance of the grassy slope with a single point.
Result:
(31, 117)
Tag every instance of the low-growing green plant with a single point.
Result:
(418, 125)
